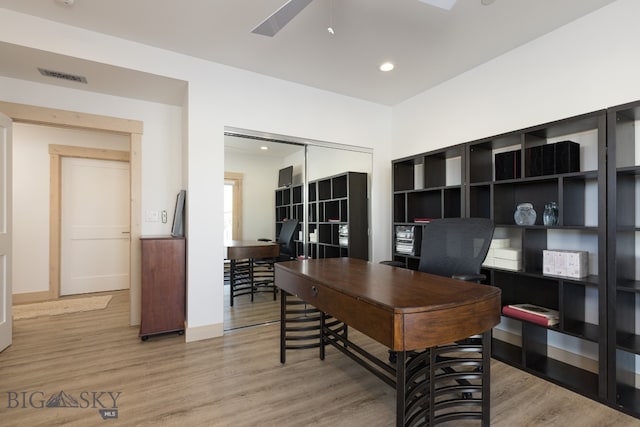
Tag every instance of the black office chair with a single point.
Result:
(286, 240)
(457, 247)
(263, 269)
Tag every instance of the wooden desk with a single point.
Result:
(251, 249)
(241, 273)
(418, 315)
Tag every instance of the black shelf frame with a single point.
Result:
(602, 183)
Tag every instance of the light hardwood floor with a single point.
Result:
(245, 313)
(236, 380)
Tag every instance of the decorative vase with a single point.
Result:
(525, 214)
(550, 215)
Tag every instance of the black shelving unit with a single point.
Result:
(623, 175)
(289, 205)
(425, 187)
(580, 191)
(337, 205)
(599, 212)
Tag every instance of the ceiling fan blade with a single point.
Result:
(442, 4)
(281, 17)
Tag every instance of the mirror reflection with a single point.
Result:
(266, 198)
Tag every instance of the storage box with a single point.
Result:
(549, 159)
(533, 161)
(500, 243)
(505, 258)
(566, 263)
(567, 156)
(508, 254)
(507, 165)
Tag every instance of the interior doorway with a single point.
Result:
(132, 129)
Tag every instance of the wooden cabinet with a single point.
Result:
(163, 286)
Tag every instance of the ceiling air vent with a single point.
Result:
(63, 76)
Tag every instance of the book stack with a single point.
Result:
(532, 313)
(407, 239)
(501, 255)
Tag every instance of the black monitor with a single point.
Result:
(177, 229)
(285, 177)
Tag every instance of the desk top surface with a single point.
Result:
(247, 243)
(399, 289)
(401, 308)
(240, 249)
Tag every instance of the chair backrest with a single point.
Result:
(453, 246)
(285, 238)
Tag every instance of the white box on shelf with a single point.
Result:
(505, 258)
(566, 263)
(488, 262)
(500, 243)
(507, 264)
(508, 254)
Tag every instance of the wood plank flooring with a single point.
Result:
(245, 313)
(236, 380)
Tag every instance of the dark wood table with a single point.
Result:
(426, 320)
(249, 251)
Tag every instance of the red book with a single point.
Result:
(544, 317)
(421, 219)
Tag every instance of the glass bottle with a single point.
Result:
(550, 215)
(525, 214)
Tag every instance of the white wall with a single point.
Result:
(218, 96)
(585, 66)
(259, 180)
(326, 161)
(582, 67)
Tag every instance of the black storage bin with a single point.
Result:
(507, 165)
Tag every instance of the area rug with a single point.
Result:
(62, 306)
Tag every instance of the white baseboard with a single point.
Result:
(199, 333)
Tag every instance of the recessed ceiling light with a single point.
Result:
(264, 147)
(387, 66)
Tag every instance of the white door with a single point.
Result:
(94, 226)
(5, 232)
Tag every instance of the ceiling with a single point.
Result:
(428, 44)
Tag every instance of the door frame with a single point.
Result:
(21, 113)
(56, 154)
(236, 222)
